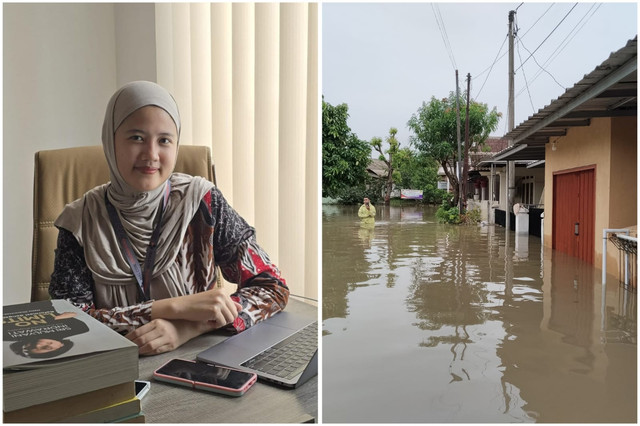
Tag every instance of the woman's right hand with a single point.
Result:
(211, 305)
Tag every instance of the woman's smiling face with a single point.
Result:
(146, 147)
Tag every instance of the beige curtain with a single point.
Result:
(245, 77)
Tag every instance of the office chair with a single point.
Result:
(64, 175)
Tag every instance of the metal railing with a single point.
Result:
(625, 244)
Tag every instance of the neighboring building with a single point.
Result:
(377, 169)
(580, 155)
(478, 172)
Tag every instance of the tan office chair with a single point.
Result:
(64, 175)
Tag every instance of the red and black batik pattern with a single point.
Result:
(217, 235)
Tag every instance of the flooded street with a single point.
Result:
(427, 322)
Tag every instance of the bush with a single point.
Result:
(447, 213)
(354, 195)
(471, 217)
(435, 196)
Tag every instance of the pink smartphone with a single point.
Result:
(200, 375)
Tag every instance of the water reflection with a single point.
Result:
(425, 322)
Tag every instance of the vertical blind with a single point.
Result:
(245, 76)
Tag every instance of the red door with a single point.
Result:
(574, 213)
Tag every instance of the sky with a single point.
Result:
(385, 59)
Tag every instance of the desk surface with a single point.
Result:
(263, 403)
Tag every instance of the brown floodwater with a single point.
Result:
(427, 322)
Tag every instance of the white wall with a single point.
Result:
(59, 72)
(538, 175)
(135, 38)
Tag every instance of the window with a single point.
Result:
(526, 190)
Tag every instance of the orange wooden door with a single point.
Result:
(574, 213)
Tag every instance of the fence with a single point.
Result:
(535, 221)
(628, 260)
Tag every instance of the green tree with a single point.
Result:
(394, 145)
(415, 170)
(344, 157)
(434, 128)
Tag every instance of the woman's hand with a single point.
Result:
(212, 306)
(161, 335)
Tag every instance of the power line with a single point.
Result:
(494, 62)
(525, 79)
(503, 55)
(547, 37)
(575, 31)
(565, 42)
(491, 67)
(538, 20)
(443, 33)
(536, 61)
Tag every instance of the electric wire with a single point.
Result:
(444, 30)
(549, 35)
(541, 67)
(538, 20)
(565, 42)
(503, 42)
(506, 37)
(443, 34)
(533, 108)
(559, 49)
(491, 67)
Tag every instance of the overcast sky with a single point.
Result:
(385, 59)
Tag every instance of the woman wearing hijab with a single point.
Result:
(140, 252)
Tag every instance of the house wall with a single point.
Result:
(611, 146)
(624, 177)
(539, 182)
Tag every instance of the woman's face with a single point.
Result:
(146, 145)
(46, 345)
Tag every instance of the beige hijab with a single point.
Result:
(87, 218)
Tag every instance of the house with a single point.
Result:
(577, 157)
(377, 169)
(483, 182)
(478, 172)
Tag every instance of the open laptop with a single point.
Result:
(289, 337)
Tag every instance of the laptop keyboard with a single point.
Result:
(289, 357)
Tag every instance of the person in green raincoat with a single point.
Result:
(367, 212)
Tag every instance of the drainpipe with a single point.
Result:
(604, 255)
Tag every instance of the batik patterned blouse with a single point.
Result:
(216, 235)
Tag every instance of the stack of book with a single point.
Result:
(62, 365)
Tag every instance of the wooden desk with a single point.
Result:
(263, 403)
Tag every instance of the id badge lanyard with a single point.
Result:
(142, 277)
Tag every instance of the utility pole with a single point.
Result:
(511, 169)
(458, 168)
(465, 167)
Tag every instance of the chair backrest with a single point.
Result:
(64, 175)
